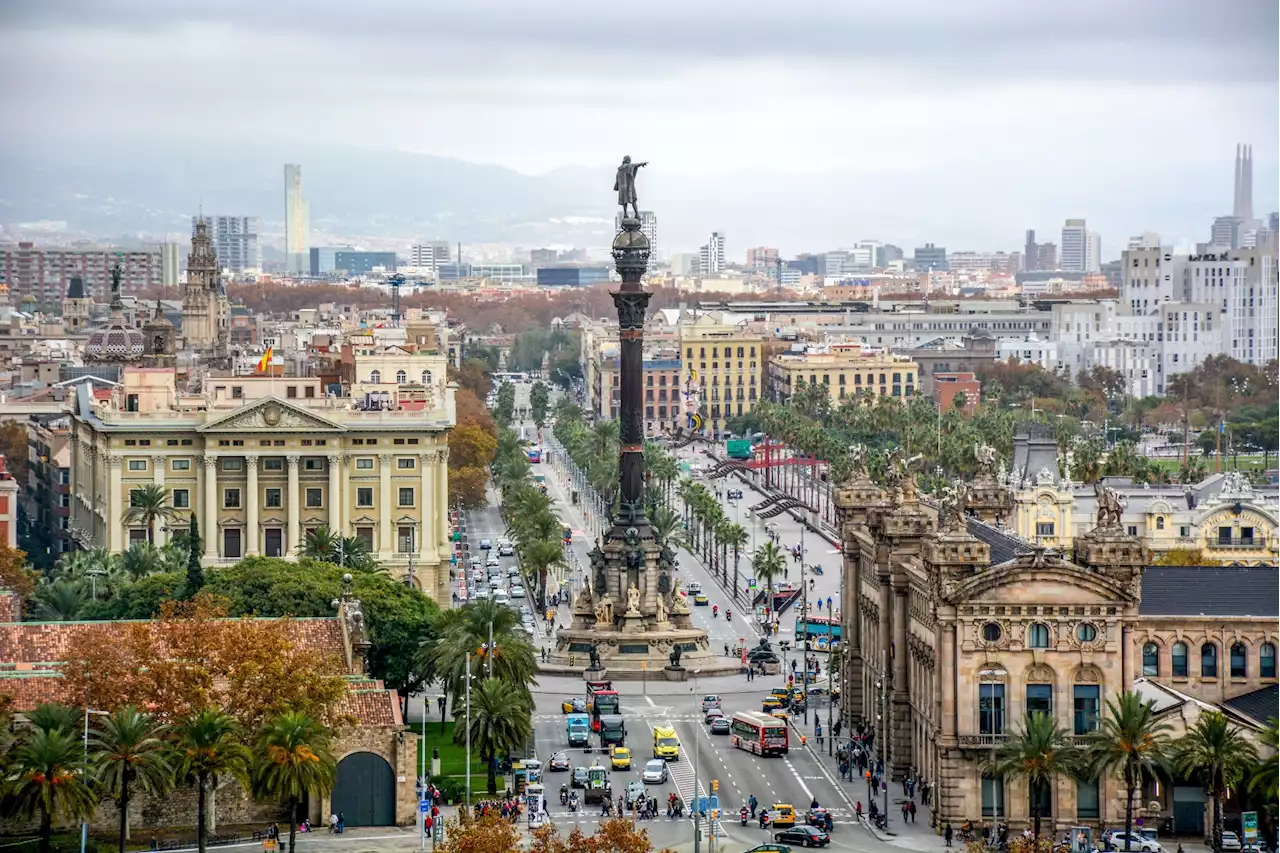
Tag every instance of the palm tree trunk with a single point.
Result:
(201, 828)
(46, 831)
(1035, 829)
(293, 824)
(124, 810)
(492, 781)
(1217, 819)
(1128, 807)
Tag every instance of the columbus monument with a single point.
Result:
(631, 620)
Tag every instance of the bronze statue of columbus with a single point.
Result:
(625, 184)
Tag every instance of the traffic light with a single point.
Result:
(715, 785)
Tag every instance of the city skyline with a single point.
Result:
(980, 184)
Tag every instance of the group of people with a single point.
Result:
(509, 808)
(337, 823)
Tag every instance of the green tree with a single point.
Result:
(539, 399)
(55, 717)
(1133, 741)
(293, 762)
(61, 601)
(207, 747)
(195, 571)
(504, 408)
(769, 564)
(129, 753)
(147, 505)
(1215, 752)
(1039, 751)
(48, 781)
(500, 722)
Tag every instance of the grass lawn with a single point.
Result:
(453, 758)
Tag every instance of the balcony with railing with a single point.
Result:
(1233, 543)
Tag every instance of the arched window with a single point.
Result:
(1267, 660)
(1239, 660)
(1150, 659)
(1208, 661)
(1159, 522)
(1038, 636)
(375, 376)
(426, 377)
(1179, 659)
(401, 377)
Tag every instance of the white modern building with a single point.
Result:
(430, 255)
(711, 257)
(235, 241)
(1075, 237)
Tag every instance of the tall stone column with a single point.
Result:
(851, 619)
(442, 503)
(294, 510)
(117, 502)
(386, 540)
(210, 531)
(428, 547)
(158, 463)
(336, 495)
(252, 534)
(900, 699)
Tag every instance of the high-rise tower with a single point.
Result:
(206, 314)
(1243, 208)
(297, 223)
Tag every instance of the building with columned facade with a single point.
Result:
(263, 461)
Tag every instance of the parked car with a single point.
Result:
(805, 836)
(1146, 845)
(1230, 843)
(655, 772)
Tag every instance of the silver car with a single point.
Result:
(655, 772)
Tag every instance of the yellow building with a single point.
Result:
(262, 462)
(846, 369)
(727, 361)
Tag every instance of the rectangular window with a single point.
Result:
(273, 463)
(365, 535)
(137, 464)
(232, 463)
(1086, 708)
(313, 463)
(364, 497)
(991, 709)
(272, 499)
(181, 499)
(1040, 699)
(404, 540)
(406, 463)
(364, 463)
(231, 542)
(406, 497)
(180, 464)
(993, 796)
(1224, 535)
(315, 498)
(291, 392)
(1087, 800)
(231, 498)
(1044, 528)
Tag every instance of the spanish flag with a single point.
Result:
(265, 360)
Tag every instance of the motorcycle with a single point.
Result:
(764, 820)
(743, 815)
(880, 820)
(817, 570)
(728, 615)
(564, 795)
(573, 802)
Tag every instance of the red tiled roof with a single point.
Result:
(29, 691)
(373, 707)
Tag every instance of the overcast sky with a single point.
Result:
(1058, 96)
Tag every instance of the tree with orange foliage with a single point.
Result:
(489, 834)
(614, 836)
(467, 487)
(14, 574)
(471, 446)
(191, 658)
(470, 410)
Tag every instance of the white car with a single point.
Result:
(517, 591)
(1136, 842)
(1230, 842)
(513, 571)
(481, 593)
(501, 597)
(655, 772)
(493, 562)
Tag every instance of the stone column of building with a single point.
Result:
(293, 512)
(251, 505)
(855, 499)
(210, 531)
(115, 519)
(386, 542)
(158, 464)
(336, 495)
(344, 492)
(442, 503)
(428, 547)
(901, 697)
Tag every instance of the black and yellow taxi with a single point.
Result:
(620, 758)
(771, 703)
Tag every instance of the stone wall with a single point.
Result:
(399, 746)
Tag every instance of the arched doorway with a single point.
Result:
(365, 790)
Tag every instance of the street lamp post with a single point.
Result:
(697, 764)
(468, 718)
(84, 823)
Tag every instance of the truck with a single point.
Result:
(578, 728)
(598, 788)
(613, 731)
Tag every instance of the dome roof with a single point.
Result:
(114, 342)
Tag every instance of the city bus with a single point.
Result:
(499, 378)
(822, 632)
(761, 734)
(535, 454)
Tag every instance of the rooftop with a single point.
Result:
(1228, 591)
(1260, 705)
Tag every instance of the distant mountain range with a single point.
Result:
(388, 199)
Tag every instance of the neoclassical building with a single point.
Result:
(960, 629)
(262, 461)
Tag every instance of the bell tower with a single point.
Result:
(206, 316)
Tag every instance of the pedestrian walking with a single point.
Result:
(947, 833)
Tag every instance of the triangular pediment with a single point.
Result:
(274, 415)
(1051, 580)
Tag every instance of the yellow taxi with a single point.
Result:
(797, 695)
(574, 705)
(783, 694)
(620, 757)
(780, 714)
(700, 600)
(783, 815)
(770, 703)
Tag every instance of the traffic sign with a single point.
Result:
(424, 806)
(1249, 821)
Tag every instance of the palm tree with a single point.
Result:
(1264, 779)
(1131, 740)
(665, 524)
(1214, 751)
(500, 722)
(735, 537)
(769, 564)
(208, 745)
(55, 717)
(320, 544)
(61, 601)
(537, 558)
(147, 505)
(141, 559)
(293, 761)
(128, 751)
(1039, 753)
(49, 781)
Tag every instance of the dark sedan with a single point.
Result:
(559, 762)
(579, 778)
(805, 836)
(719, 726)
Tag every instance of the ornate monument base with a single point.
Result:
(675, 673)
(599, 674)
